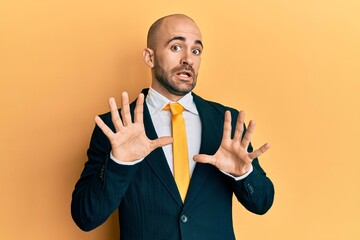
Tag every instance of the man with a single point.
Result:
(131, 165)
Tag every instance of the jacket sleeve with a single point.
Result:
(102, 184)
(256, 191)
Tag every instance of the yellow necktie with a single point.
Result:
(180, 149)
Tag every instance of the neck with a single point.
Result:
(172, 97)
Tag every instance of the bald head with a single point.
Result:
(174, 48)
(155, 29)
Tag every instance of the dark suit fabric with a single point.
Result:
(146, 195)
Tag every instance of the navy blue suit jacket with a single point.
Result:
(146, 195)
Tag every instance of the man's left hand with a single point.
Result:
(232, 156)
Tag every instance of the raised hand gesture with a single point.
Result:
(232, 156)
(129, 141)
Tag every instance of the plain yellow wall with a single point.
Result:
(292, 65)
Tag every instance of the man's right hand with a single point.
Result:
(129, 141)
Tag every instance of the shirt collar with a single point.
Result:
(156, 102)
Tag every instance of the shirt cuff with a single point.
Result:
(124, 163)
(242, 176)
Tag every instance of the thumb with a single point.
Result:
(203, 158)
(160, 142)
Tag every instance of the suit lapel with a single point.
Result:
(212, 129)
(156, 159)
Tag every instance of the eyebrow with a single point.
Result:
(183, 40)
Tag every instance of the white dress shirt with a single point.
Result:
(162, 124)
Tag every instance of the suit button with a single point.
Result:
(102, 173)
(184, 218)
(250, 188)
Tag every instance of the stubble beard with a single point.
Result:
(168, 84)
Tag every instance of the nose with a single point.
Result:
(187, 58)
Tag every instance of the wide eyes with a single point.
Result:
(196, 51)
(177, 48)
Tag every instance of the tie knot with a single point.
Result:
(175, 108)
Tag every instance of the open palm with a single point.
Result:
(232, 156)
(129, 141)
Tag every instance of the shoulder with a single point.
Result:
(219, 108)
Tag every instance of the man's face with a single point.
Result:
(177, 57)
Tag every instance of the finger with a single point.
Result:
(227, 126)
(248, 135)
(104, 128)
(115, 117)
(125, 109)
(139, 109)
(204, 158)
(259, 151)
(239, 126)
(160, 142)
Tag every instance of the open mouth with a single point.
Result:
(184, 74)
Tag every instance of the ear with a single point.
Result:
(148, 56)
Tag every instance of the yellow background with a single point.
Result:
(292, 65)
